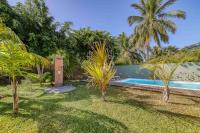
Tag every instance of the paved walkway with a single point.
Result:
(61, 89)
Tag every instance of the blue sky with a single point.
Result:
(111, 15)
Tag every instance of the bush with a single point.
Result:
(46, 77)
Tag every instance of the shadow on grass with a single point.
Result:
(53, 117)
(134, 103)
(188, 118)
(178, 103)
(151, 108)
(194, 100)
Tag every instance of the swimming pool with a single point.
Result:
(173, 84)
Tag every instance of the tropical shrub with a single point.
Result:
(47, 77)
(163, 67)
(164, 72)
(99, 68)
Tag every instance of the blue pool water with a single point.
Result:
(173, 84)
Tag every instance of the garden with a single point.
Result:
(83, 110)
(101, 101)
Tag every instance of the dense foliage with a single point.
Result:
(182, 55)
(42, 35)
(158, 51)
(129, 53)
(84, 40)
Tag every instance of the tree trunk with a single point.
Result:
(40, 70)
(147, 53)
(15, 96)
(103, 92)
(166, 92)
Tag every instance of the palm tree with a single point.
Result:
(15, 60)
(99, 68)
(164, 72)
(153, 22)
(129, 53)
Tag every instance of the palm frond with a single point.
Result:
(175, 14)
(134, 19)
(139, 7)
(168, 25)
(165, 5)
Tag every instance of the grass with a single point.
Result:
(82, 111)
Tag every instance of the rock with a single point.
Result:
(61, 89)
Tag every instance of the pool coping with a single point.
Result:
(173, 90)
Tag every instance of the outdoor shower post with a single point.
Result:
(58, 71)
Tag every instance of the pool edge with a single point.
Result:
(194, 93)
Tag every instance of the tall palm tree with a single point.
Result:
(153, 21)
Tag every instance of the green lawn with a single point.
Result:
(82, 111)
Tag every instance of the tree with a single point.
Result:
(42, 35)
(10, 18)
(99, 68)
(39, 29)
(184, 55)
(157, 51)
(15, 60)
(153, 22)
(82, 42)
(164, 72)
(129, 54)
(163, 67)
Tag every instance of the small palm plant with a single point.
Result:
(165, 73)
(15, 60)
(99, 68)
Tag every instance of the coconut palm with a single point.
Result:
(129, 53)
(99, 68)
(15, 60)
(153, 21)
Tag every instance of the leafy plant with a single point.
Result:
(164, 72)
(15, 60)
(47, 77)
(157, 51)
(183, 55)
(99, 68)
(83, 40)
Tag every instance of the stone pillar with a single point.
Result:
(58, 71)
